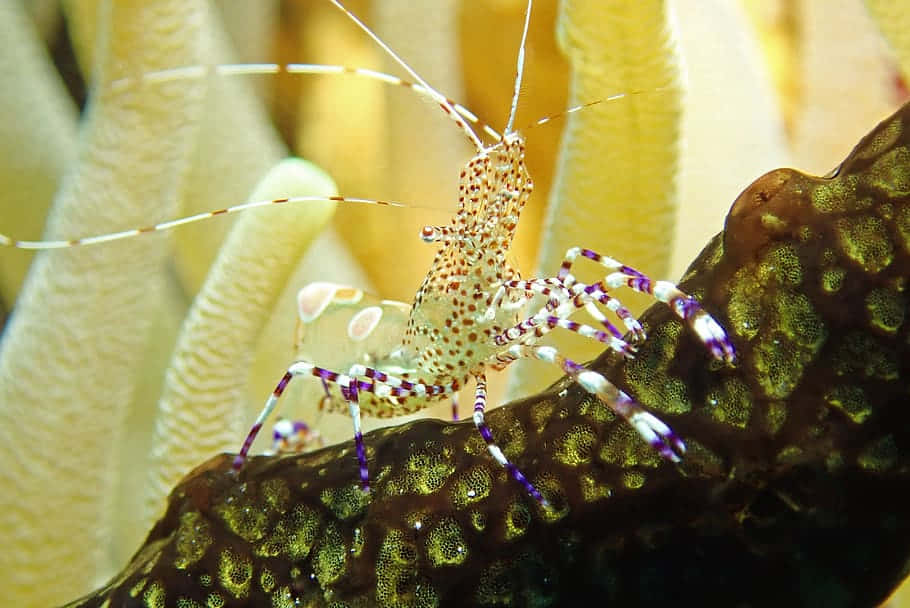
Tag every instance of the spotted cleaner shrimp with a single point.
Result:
(467, 315)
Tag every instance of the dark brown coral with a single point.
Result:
(792, 492)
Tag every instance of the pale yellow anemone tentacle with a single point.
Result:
(69, 355)
(615, 188)
(37, 138)
(203, 407)
(893, 19)
(130, 461)
(732, 127)
(237, 144)
(423, 150)
(845, 86)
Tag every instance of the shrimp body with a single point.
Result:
(456, 313)
(447, 334)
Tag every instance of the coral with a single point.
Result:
(789, 493)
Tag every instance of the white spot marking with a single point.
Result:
(364, 322)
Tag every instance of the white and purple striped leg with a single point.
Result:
(598, 292)
(651, 428)
(581, 296)
(270, 404)
(480, 402)
(351, 394)
(541, 324)
(379, 383)
(685, 306)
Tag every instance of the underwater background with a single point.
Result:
(113, 384)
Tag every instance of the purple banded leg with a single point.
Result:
(480, 402)
(685, 306)
(542, 323)
(652, 429)
(270, 403)
(388, 386)
(565, 275)
(351, 394)
(298, 368)
(580, 295)
(598, 291)
(553, 289)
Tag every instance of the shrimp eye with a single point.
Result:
(429, 234)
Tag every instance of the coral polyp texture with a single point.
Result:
(790, 491)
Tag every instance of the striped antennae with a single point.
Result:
(519, 69)
(568, 111)
(7, 241)
(443, 103)
(315, 69)
(456, 111)
(461, 115)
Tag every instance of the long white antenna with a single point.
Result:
(445, 105)
(520, 69)
(262, 69)
(7, 241)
